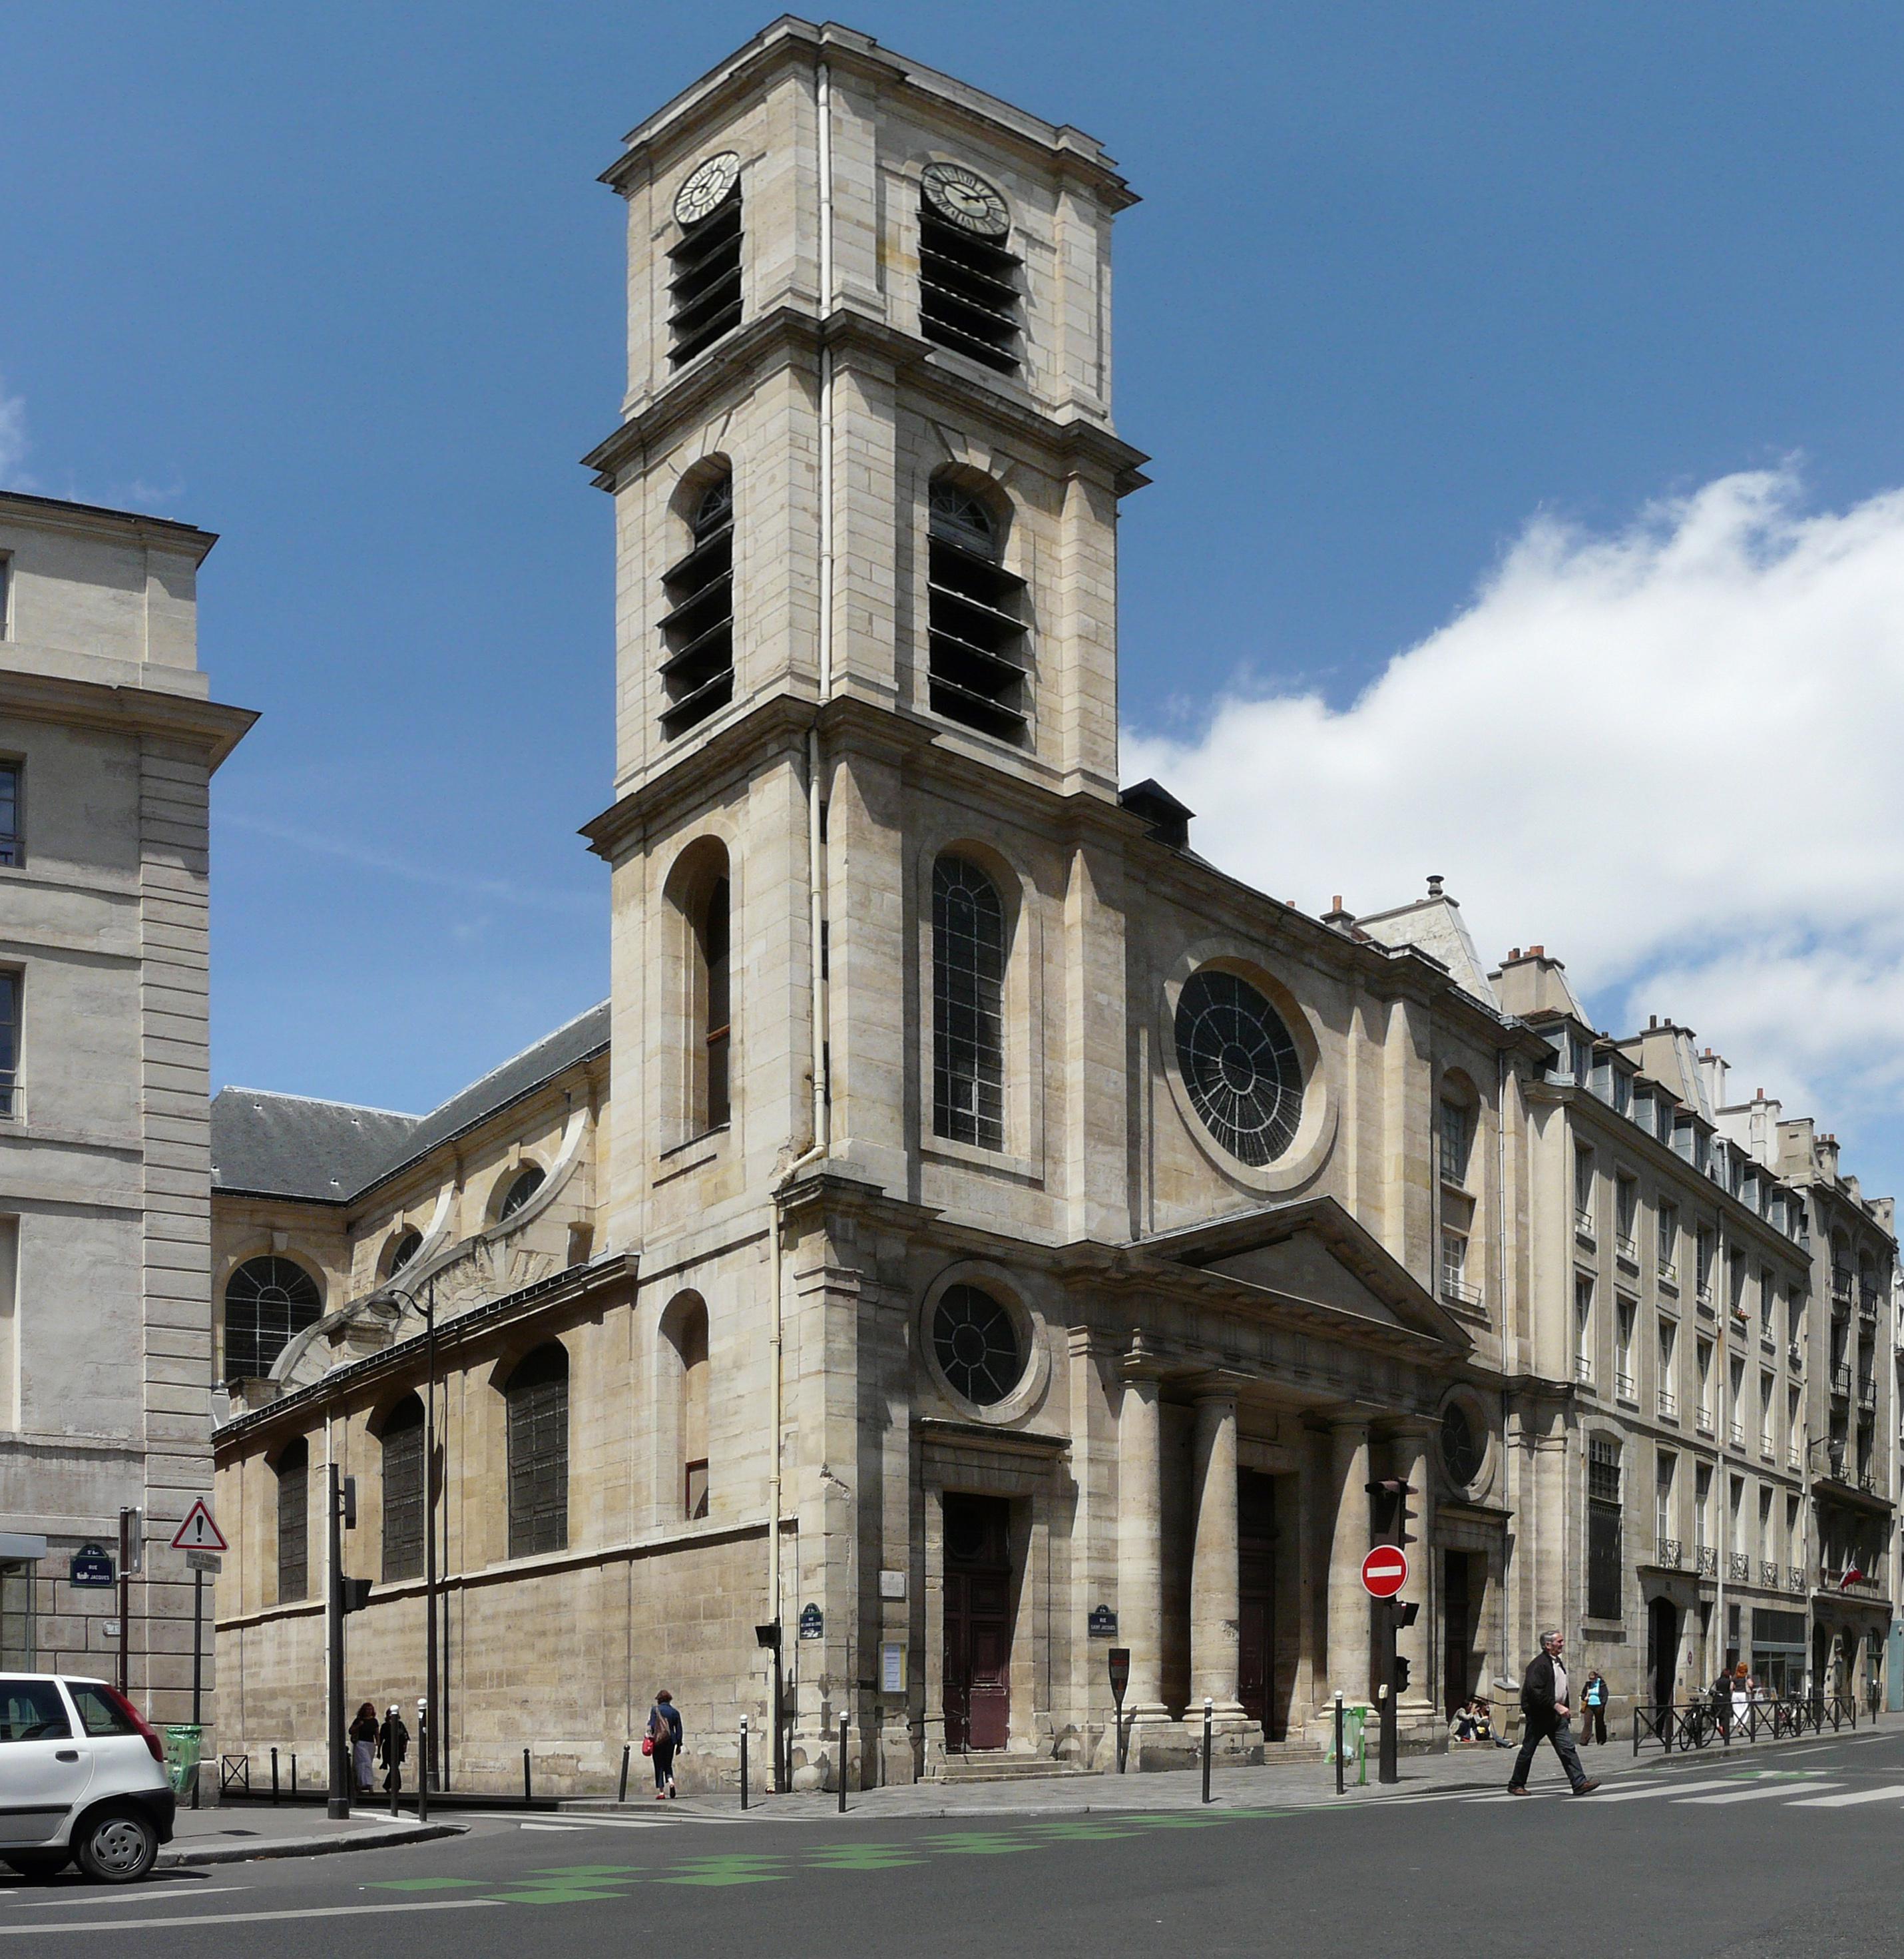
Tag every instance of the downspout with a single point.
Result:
(1506, 1296)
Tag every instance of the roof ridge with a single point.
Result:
(317, 1101)
(540, 1040)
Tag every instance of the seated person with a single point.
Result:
(1466, 1726)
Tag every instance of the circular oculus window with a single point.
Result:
(1240, 1066)
(976, 1342)
(1462, 1452)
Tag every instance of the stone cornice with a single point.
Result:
(93, 520)
(140, 710)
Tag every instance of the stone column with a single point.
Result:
(1139, 1540)
(1415, 1644)
(1349, 1648)
(1214, 1604)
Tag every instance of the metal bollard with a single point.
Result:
(1208, 1709)
(293, 1772)
(743, 1761)
(423, 1761)
(624, 1795)
(274, 1775)
(842, 1761)
(1338, 1741)
(528, 1794)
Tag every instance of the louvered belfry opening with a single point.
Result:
(975, 627)
(698, 630)
(704, 290)
(969, 293)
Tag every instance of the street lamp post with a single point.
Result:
(426, 1751)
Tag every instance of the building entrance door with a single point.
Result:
(1662, 1650)
(1460, 1613)
(978, 1623)
(1256, 1602)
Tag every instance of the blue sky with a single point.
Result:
(339, 284)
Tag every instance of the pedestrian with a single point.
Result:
(1545, 1712)
(1593, 1704)
(363, 1746)
(393, 1746)
(664, 1736)
(1740, 1691)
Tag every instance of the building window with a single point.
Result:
(1582, 1328)
(1665, 1469)
(1463, 1451)
(1455, 1282)
(1603, 1560)
(521, 1187)
(974, 617)
(968, 281)
(1703, 1511)
(537, 1401)
(1239, 1065)
(1457, 1140)
(294, 1523)
(976, 1343)
(712, 1017)
(697, 628)
(1626, 1207)
(1667, 1237)
(1668, 1393)
(1705, 1358)
(1706, 1250)
(704, 284)
(403, 1248)
(689, 1336)
(10, 1094)
(968, 1005)
(1735, 1432)
(403, 1505)
(1765, 1414)
(1583, 1218)
(1768, 1302)
(268, 1302)
(11, 842)
(1625, 1312)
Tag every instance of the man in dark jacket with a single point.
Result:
(1544, 1711)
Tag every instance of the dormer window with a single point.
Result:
(975, 629)
(704, 288)
(698, 628)
(969, 281)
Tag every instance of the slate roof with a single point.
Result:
(267, 1145)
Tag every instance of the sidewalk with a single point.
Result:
(232, 1834)
(1309, 1785)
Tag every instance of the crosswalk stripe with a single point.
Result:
(1683, 1788)
(555, 1826)
(1892, 1792)
(1761, 1793)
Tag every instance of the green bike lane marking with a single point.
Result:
(581, 1883)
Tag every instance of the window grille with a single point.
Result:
(1239, 1065)
(527, 1182)
(697, 630)
(268, 1302)
(538, 1400)
(975, 627)
(403, 1504)
(1457, 1139)
(294, 1523)
(9, 790)
(704, 289)
(968, 1005)
(976, 1342)
(969, 293)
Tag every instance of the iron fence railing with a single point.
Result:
(1709, 1721)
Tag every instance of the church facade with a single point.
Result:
(975, 1233)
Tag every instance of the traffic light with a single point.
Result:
(354, 1592)
(1407, 1612)
(1389, 1516)
(350, 1502)
(1401, 1674)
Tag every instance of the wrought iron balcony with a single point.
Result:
(1841, 1288)
(1583, 1224)
(1457, 1290)
(1583, 1370)
(1672, 1553)
(1841, 1379)
(1867, 1302)
(1626, 1387)
(1669, 1274)
(1735, 1434)
(1627, 1248)
(1794, 1578)
(1704, 1418)
(1795, 1357)
(1867, 1482)
(1794, 1456)
(1739, 1565)
(1768, 1573)
(1668, 1405)
(1708, 1556)
(1868, 1391)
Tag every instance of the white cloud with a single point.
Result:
(12, 442)
(1671, 754)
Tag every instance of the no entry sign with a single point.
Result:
(1384, 1571)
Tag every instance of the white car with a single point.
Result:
(82, 1776)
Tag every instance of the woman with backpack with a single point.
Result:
(663, 1738)
(1593, 1705)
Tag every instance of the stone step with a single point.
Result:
(987, 1766)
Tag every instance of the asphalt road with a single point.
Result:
(1714, 1857)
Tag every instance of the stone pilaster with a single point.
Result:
(1348, 1634)
(1139, 1540)
(1214, 1608)
(1410, 1455)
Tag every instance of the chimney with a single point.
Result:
(1434, 886)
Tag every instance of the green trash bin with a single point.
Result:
(183, 1740)
(1354, 1744)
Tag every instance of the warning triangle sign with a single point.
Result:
(198, 1532)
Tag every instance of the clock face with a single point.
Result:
(706, 187)
(964, 199)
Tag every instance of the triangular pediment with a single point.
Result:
(1314, 1252)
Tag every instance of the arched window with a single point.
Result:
(537, 1398)
(403, 1491)
(293, 1471)
(968, 1005)
(704, 284)
(968, 280)
(975, 616)
(267, 1301)
(691, 1345)
(1456, 1126)
(711, 1018)
(403, 1248)
(697, 629)
(523, 1186)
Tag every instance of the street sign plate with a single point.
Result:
(198, 1532)
(90, 1565)
(1384, 1571)
(208, 1561)
(813, 1623)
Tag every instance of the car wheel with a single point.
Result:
(114, 1846)
(37, 1863)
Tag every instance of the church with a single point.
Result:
(976, 1234)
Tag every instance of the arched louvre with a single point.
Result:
(968, 1005)
(969, 293)
(698, 628)
(537, 1401)
(294, 1523)
(403, 1491)
(704, 283)
(974, 628)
